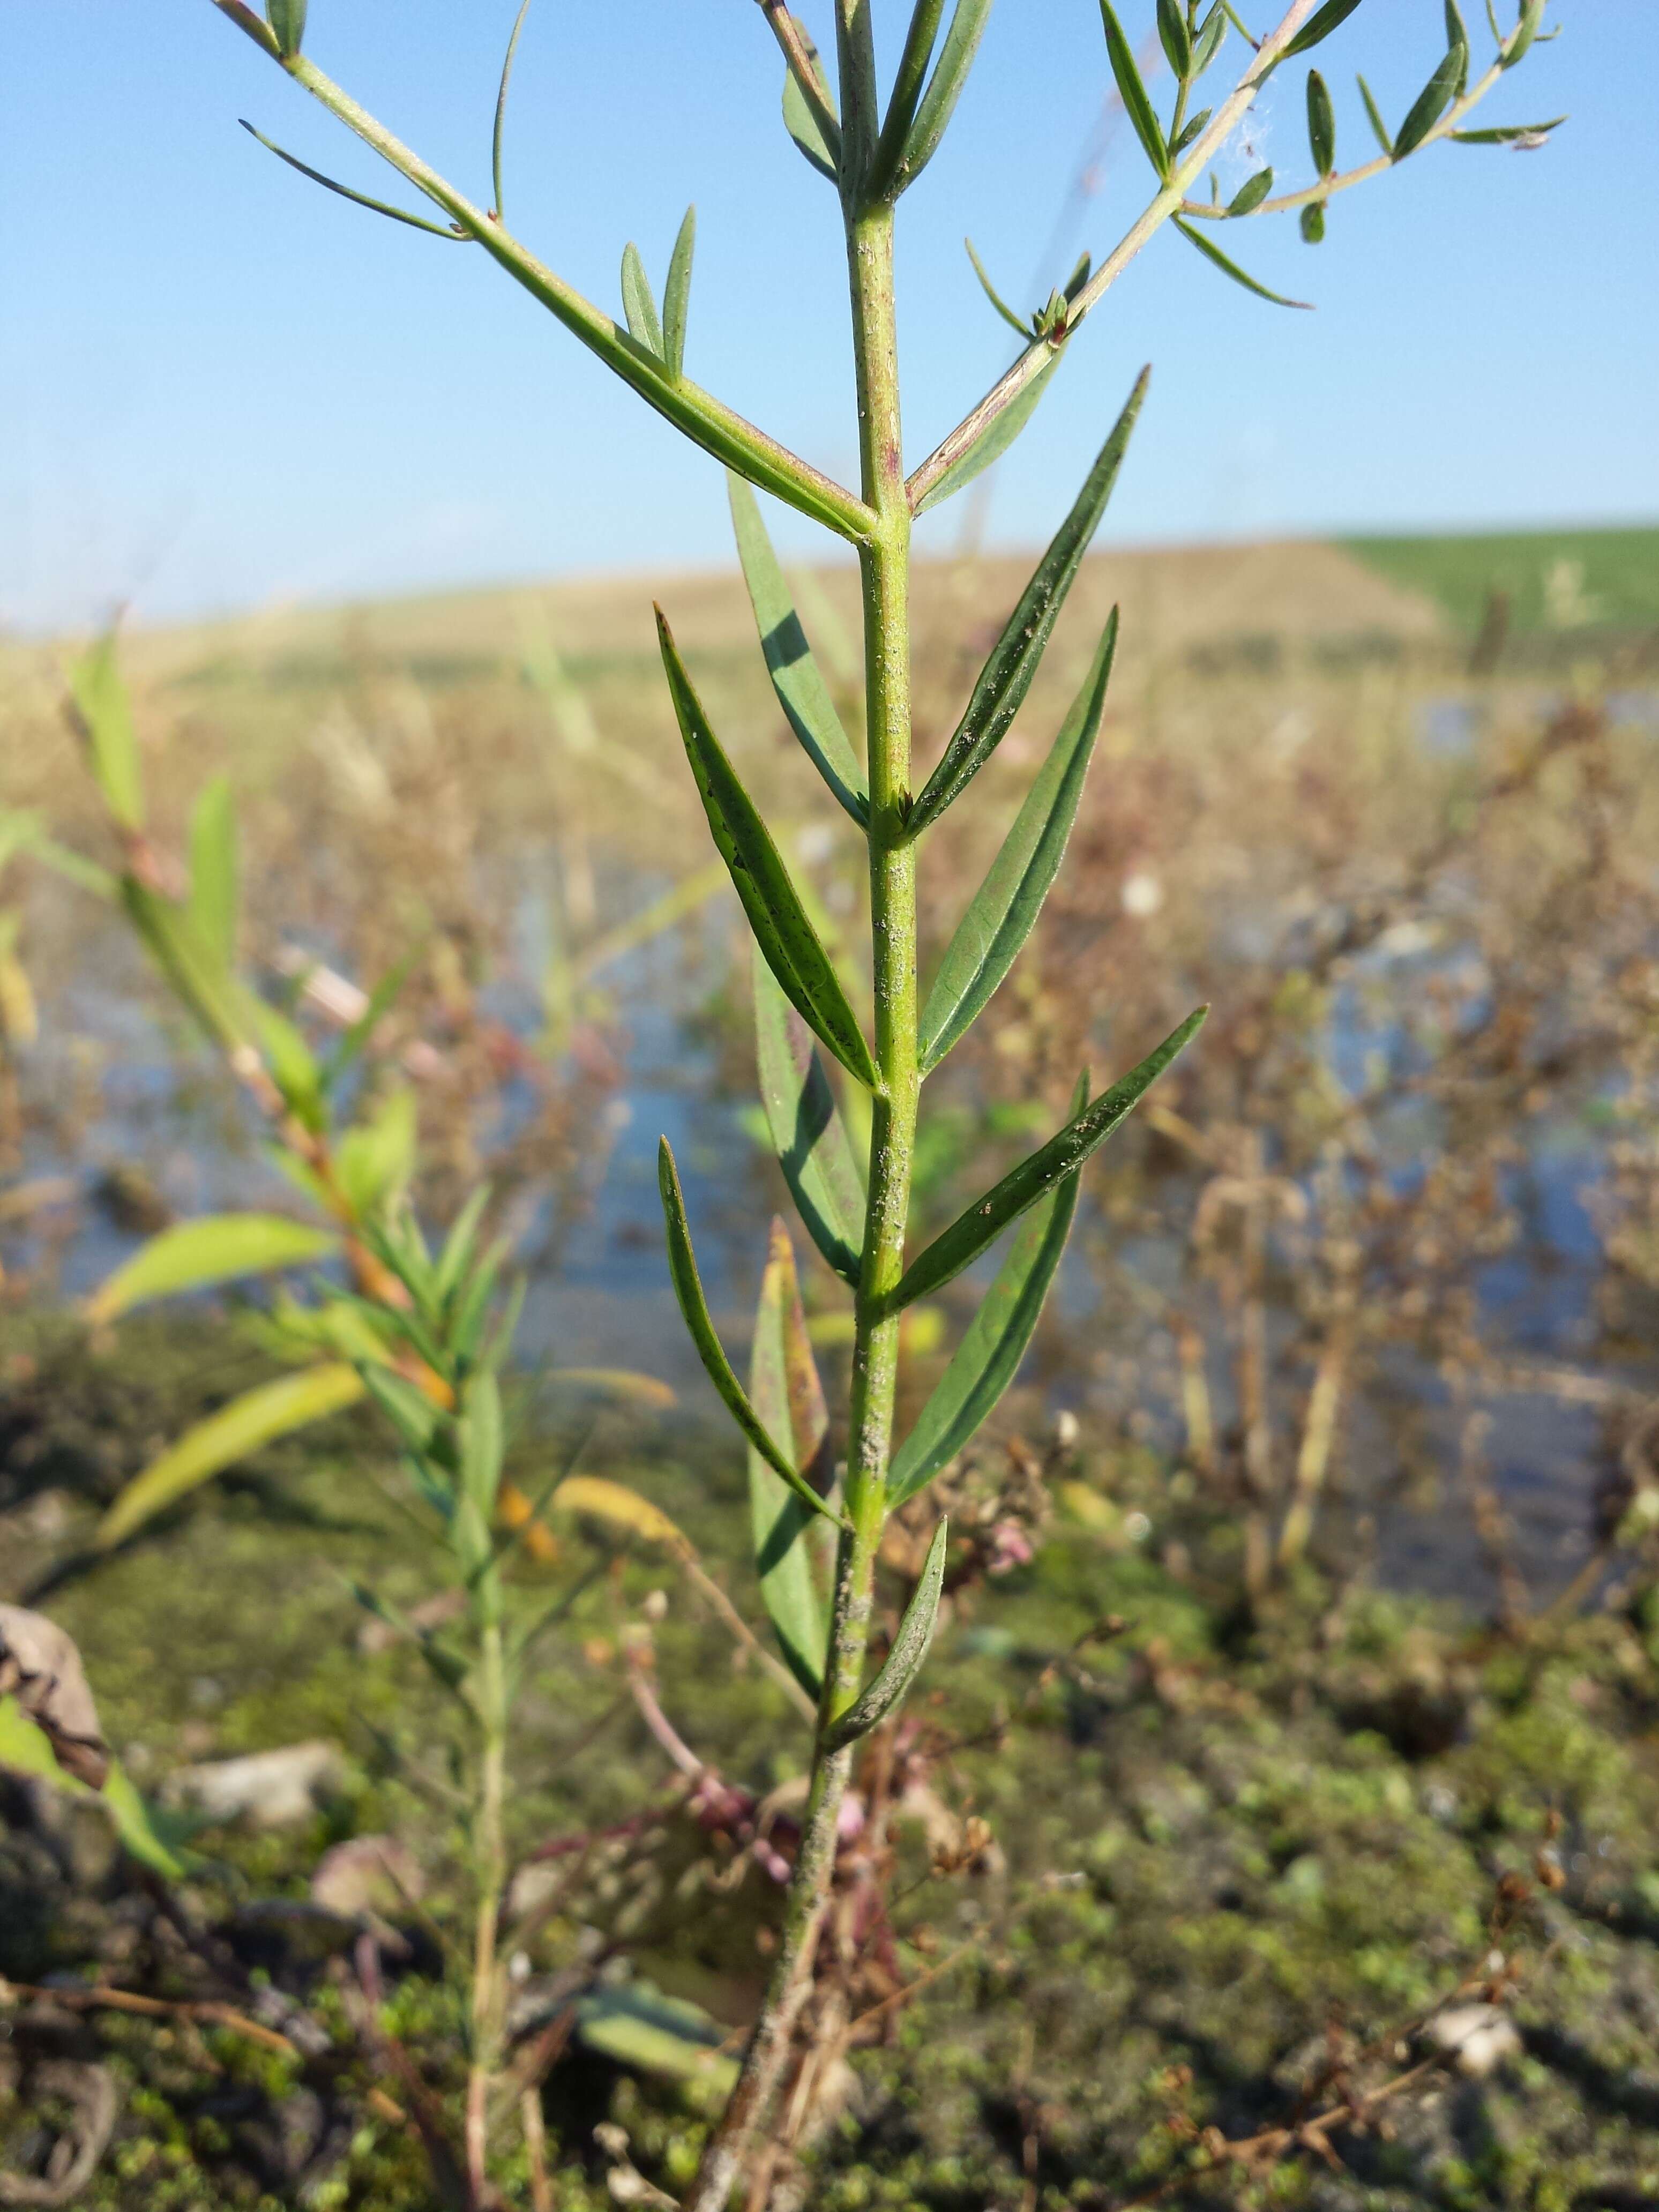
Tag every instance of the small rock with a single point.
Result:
(268, 1788)
(1477, 2037)
(370, 1874)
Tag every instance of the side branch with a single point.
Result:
(708, 421)
(1168, 201)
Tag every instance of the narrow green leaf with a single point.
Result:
(448, 1665)
(821, 146)
(1510, 134)
(455, 1260)
(688, 1288)
(1004, 910)
(359, 199)
(794, 1550)
(1131, 91)
(1176, 39)
(215, 890)
(1374, 115)
(802, 691)
(677, 294)
(26, 1749)
(287, 19)
(807, 1134)
(407, 1408)
(1208, 44)
(961, 1243)
(919, 42)
(498, 139)
(354, 1041)
(1007, 674)
(904, 1662)
(1430, 104)
(1322, 125)
(995, 439)
(988, 1359)
(1193, 130)
(104, 714)
(172, 943)
(1195, 237)
(944, 88)
(294, 1067)
(638, 305)
(1528, 26)
(1457, 35)
(994, 295)
(258, 1416)
(1319, 25)
(482, 1440)
(375, 1160)
(1313, 224)
(792, 948)
(1251, 193)
(219, 1248)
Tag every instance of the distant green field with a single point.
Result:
(1556, 579)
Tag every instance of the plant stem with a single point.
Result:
(884, 567)
(489, 1855)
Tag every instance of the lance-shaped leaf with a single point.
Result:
(1313, 224)
(105, 714)
(903, 1663)
(802, 692)
(807, 1133)
(795, 1552)
(287, 19)
(1006, 676)
(258, 1416)
(1374, 116)
(688, 1288)
(217, 1250)
(189, 966)
(215, 896)
(498, 140)
(638, 305)
(988, 1359)
(1322, 125)
(994, 295)
(1510, 134)
(1176, 39)
(1131, 91)
(793, 950)
(482, 1439)
(1251, 193)
(1319, 25)
(677, 294)
(1195, 237)
(1526, 30)
(359, 199)
(1457, 36)
(1004, 908)
(994, 439)
(908, 85)
(961, 1243)
(937, 104)
(1208, 44)
(816, 134)
(1432, 103)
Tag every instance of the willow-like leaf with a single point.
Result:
(638, 305)
(1131, 91)
(819, 141)
(1432, 103)
(937, 104)
(693, 1306)
(1526, 30)
(1319, 25)
(214, 893)
(993, 441)
(908, 85)
(104, 712)
(988, 1359)
(994, 295)
(498, 139)
(1313, 224)
(188, 965)
(1230, 268)
(677, 294)
(1251, 193)
(287, 19)
(793, 950)
(1004, 910)
(1374, 116)
(968, 1235)
(1208, 44)
(802, 691)
(1457, 35)
(903, 1663)
(1509, 134)
(1006, 676)
(220, 1248)
(361, 199)
(1174, 39)
(794, 1553)
(807, 1134)
(1322, 125)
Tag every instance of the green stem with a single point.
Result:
(489, 1856)
(884, 564)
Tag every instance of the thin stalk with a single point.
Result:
(489, 1855)
(884, 567)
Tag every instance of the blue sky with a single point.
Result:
(222, 387)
